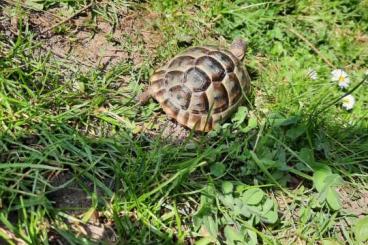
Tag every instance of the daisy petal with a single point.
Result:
(312, 74)
(348, 102)
(344, 83)
(341, 77)
(338, 74)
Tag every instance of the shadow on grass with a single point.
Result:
(126, 183)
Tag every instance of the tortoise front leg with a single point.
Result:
(144, 97)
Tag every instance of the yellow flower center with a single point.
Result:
(341, 78)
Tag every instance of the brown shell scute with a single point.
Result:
(197, 79)
(198, 50)
(212, 67)
(182, 61)
(233, 87)
(224, 60)
(174, 78)
(171, 109)
(220, 98)
(181, 96)
(199, 104)
(200, 87)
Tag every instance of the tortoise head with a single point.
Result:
(238, 48)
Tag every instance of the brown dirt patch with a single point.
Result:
(42, 20)
(90, 39)
(100, 44)
(75, 201)
(354, 201)
(8, 26)
(100, 233)
(71, 199)
(167, 130)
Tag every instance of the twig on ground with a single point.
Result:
(67, 19)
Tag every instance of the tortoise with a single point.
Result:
(202, 86)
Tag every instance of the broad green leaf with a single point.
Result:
(268, 205)
(197, 222)
(252, 237)
(330, 242)
(277, 48)
(257, 219)
(281, 156)
(333, 199)
(252, 123)
(270, 217)
(277, 120)
(321, 197)
(256, 210)
(245, 211)
(361, 229)
(240, 116)
(233, 235)
(268, 163)
(238, 204)
(265, 152)
(218, 169)
(204, 205)
(227, 220)
(227, 187)
(270, 214)
(227, 200)
(241, 187)
(333, 180)
(301, 166)
(210, 225)
(307, 155)
(325, 181)
(296, 132)
(305, 214)
(252, 196)
(35, 4)
(319, 177)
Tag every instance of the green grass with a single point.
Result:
(289, 169)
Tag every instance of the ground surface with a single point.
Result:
(81, 163)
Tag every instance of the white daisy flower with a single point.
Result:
(348, 102)
(341, 77)
(312, 74)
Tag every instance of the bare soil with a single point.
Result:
(87, 39)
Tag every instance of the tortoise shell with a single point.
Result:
(200, 87)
